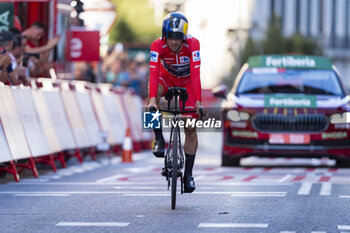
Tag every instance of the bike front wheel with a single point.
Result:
(174, 171)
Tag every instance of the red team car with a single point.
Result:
(287, 106)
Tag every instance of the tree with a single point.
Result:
(300, 44)
(274, 43)
(123, 31)
(249, 49)
(135, 22)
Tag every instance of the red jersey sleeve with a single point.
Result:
(195, 69)
(154, 66)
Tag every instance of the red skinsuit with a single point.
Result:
(180, 69)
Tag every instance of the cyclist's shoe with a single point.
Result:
(158, 148)
(189, 185)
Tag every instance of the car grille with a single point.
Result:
(280, 123)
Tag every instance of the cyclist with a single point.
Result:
(175, 62)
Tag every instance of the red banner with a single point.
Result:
(83, 45)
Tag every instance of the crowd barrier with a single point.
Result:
(53, 120)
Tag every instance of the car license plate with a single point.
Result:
(289, 139)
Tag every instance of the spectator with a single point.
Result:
(18, 46)
(113, 72)
(6, 42)
(34, 34)
(30, 62)
(17, 52)
(118, 70)
(79, 70)
(143, 70)
(90, 73)
(123, 77)
(134, 77)
(5, 62)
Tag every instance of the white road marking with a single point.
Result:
(78, 170)
(206, 188)
(134, 193)
(298, 170)
(89, 168)
(284, 178)
(146, 195)
(305, 188)
(326, 189)
(141, 169)
(237, 194)
(105, 162)
(42, 195)
(259, 194)
(93, 224)
(343, 227)
(67, 174)
(200, 177)
(234, 225)
(138, 187)
(318, 232)
(126, 184)
(246, 184)
(342, 196)
(287, 232)
(162, 184)
(115, 177)
(30, 180)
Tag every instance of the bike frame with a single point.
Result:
(168, 156)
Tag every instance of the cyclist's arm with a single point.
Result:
(154, 66)
(195, 70)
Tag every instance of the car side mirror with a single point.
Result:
(220, 91)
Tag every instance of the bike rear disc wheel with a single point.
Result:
(174, 171)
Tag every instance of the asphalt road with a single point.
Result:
(110, 196)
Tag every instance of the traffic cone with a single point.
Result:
(127, 147)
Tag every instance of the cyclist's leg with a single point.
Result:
(158, 132)
(191, 141)
(191, 144)
(159, 144)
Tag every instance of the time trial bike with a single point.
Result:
(174, 156)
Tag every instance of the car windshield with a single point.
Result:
(267, 80)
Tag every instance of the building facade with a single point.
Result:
(326, 21)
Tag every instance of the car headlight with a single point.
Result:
(340, 118)
(234, 115)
